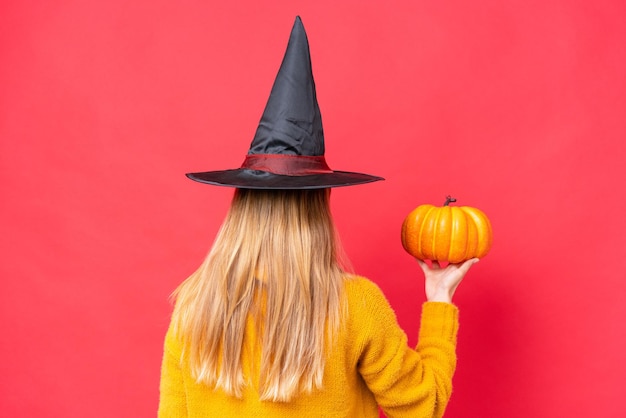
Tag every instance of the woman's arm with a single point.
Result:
(414, 382)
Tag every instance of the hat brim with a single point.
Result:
(254, 179)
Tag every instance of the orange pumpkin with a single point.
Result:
(448, 233)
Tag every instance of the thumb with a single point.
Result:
(465, 266)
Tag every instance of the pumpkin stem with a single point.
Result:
(449, 199)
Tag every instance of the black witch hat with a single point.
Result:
(287, 151)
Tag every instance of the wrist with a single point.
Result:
(440, 296)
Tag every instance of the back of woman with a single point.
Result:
(271, 325)
(273, 264)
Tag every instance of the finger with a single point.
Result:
(422, 265)
(465, 266)
(436, 264)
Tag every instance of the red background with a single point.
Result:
(514, 107)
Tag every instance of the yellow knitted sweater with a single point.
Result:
(370, 365)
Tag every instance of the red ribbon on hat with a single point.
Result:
(287, 165)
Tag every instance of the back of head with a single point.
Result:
(275, 246)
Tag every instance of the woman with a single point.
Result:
(272, 324)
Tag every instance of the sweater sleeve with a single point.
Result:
(407, 382)
(172, 400)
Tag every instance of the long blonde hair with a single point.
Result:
(278, 246)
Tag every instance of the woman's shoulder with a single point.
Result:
(363, 294)
(369, 315)
(355, 284)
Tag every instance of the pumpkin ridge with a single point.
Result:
(421, 231)
(448, 213)
(467, 221)
(484, 231)
(435, 233)
(471, 224)
(453, 233)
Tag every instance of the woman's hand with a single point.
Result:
(441, 282)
